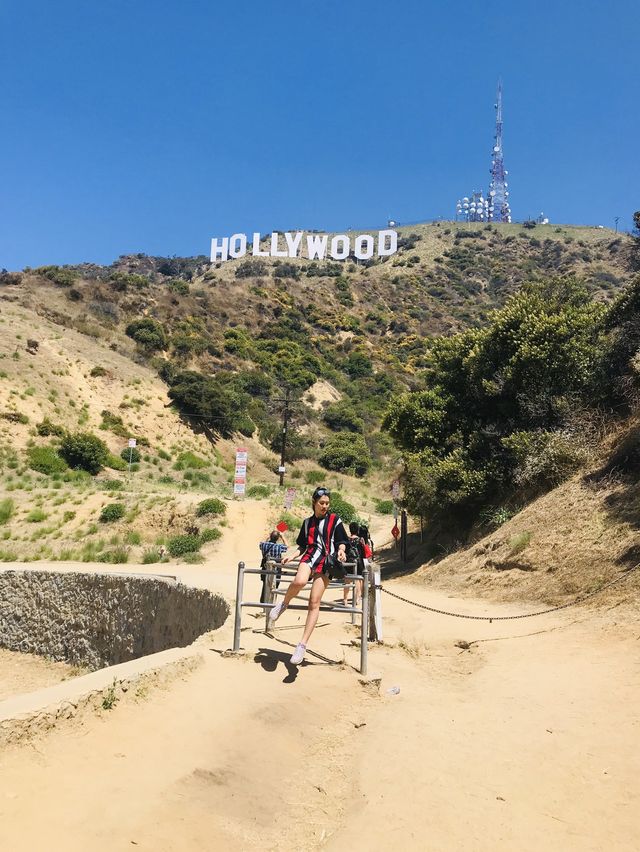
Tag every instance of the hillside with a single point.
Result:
(106, 349)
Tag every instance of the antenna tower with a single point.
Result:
(499, 209)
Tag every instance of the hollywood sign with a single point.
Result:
(318, 246)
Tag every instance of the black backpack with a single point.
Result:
(354, 552)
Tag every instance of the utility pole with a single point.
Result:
(616, 220)
(285, 422)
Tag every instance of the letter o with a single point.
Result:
(360, 251)
(238, 245)
(346, 247)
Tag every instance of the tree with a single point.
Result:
(342, 417)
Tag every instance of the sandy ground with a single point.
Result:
(27, 672)
(527, 740)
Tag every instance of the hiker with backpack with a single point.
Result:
(271, 549)
(321, 541)
(355, 553)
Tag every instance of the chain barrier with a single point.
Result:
(491, 618)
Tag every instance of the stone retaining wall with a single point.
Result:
(98, 620)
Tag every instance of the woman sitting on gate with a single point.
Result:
(321, 537)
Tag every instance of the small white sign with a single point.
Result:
(395, 489)
(132, 442)
(241, 470)
(289, 497)
(239, 487)
(281, 469)
(242, 455)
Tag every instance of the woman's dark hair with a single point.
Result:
(354, 529)
(320, 492)
(363, 532)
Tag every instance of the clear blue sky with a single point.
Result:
(139, 126)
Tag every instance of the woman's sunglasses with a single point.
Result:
(321, 492)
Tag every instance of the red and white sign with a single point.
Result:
(289, 497)
(395, 532)
(240, 479)
(395, 489)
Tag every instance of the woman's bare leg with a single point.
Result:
(298, 583)
(318, 587)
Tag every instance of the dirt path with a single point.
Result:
(525, 741)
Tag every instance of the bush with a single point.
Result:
(112, 512)
(211, 534)
(544, 458)
(189, 460)
(7, 508)
(211, 506)
(258, 492)
(384, 507)
(148, 333)
(36, 516)
(47, 428)
(116, 556)
(84, 451)
(345, 511)
(314, 477)
(116, 463)
(45, 460)
(68, 516)
(346, 452)
(151, 555)
(341, 417)
(130, 454)
(180, 544)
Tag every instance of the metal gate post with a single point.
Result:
(270, 596)
(238, 619)
(364, 631)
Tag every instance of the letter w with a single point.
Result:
(316, 247)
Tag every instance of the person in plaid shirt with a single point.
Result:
(271, 549)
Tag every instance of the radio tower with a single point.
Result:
(499, 210)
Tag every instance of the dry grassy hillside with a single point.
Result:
(57, 516)
(569, 542)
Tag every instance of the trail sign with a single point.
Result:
(289, 497)
(132, 442)
(395, 490)
(395, 532)
(282, 527)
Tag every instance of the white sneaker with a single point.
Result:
(298, 655)
(276, 612)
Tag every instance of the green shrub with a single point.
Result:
(193, 558)
(211, 534)
(163, 454)
(111, 484)
(116, 463)
(112, 512)
(346, 452)
(180, 544)
(342, 508)
(341, 417)
(59, 275)
(47, 428)
(148, 334)
(96, 372)
(314, 477)
(7, 508)
(190, 461)
(45, 460)
(258, 492)
(85, 451)
(116, 556)
(211, 506)
(519, 542)
(384, 507)
(151, 555)
(36, 516)
(68, 516)
(130, 454)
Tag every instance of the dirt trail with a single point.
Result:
(527, 740)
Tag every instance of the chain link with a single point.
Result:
(491, 618)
